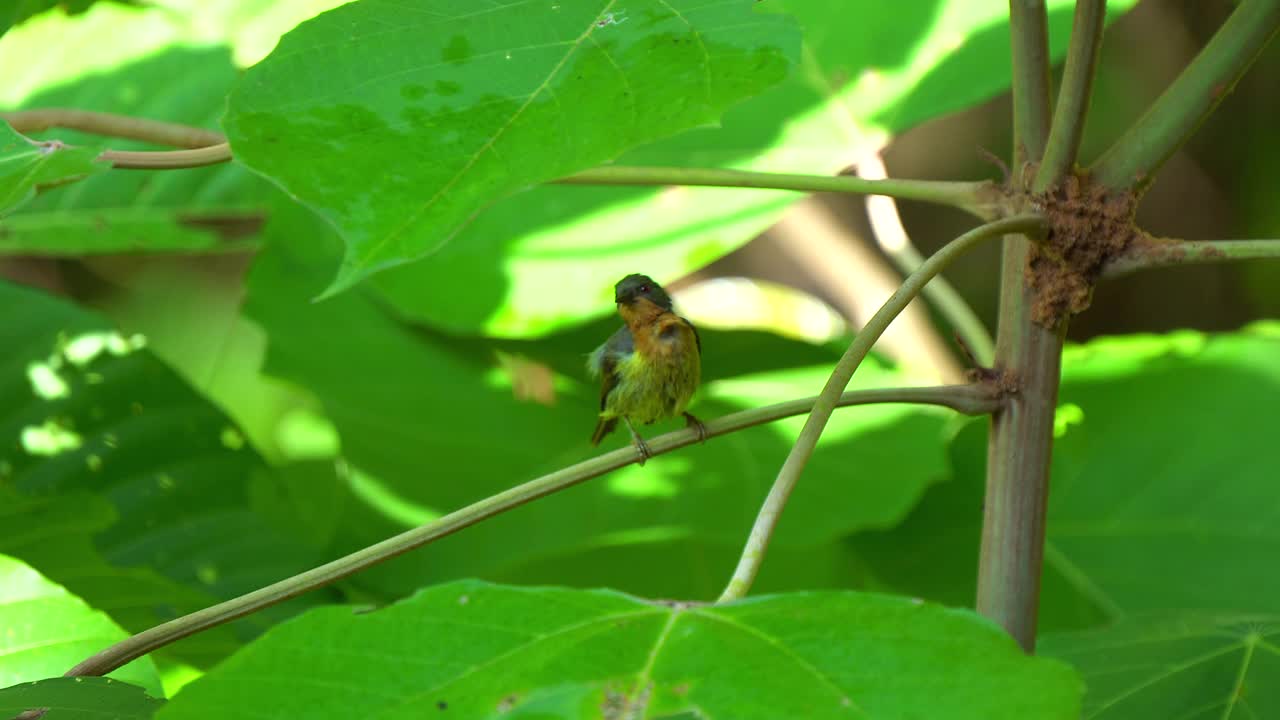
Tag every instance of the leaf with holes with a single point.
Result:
(87, 410)
(47, 630)
(547, 258)
(1191, 666)
(91, 698)
(398, 125)
(478, 651)
(28, 165)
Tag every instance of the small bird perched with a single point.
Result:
(650, 367)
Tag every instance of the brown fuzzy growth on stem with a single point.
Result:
(1089, 225)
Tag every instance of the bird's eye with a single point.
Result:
(643, 289)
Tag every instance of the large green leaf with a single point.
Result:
(1190, 666)
(436, 422)
(397, 128)
(91, 698)
(469, 649)
(47, 630)
(1162, 493)
(88, 411)
(27, 165)
(548, 257)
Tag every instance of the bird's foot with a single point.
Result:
(642, 449)
(697, 425)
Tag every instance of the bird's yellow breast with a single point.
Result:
(658, 379)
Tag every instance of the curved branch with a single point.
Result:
(1132, 161)
(767, 519)
(1160, 252)
(968, 399)
(978, 197)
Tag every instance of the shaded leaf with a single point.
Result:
(1134, 523)
(547, 258)
(398, 127)
(479, 650)
(47, 630)
(1190, 666)
(432, 423)
(87, 410)
(90, 698)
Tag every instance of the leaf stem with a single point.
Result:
(1133, 160)
(1163, 252)
(1073, 97)
(167, 159)
(112, 125)
(891, 236)
(767, 519)
(977, 197)
(973, 399)
(1029, 35)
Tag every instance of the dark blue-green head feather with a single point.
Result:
(636, 286)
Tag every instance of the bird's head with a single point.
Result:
(634, 288)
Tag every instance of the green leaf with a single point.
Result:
(89, 698)
(87, 410)
(469, 649)
(48, 630)
(547, 258)
(417, 420)
(27, 165)
(1192, 666)
(397, 128)
(1162, 492)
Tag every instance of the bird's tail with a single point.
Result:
(604, 427)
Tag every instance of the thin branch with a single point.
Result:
(167, 160)
(1073, 97)
(968, 399)
(112, 125)
(1160, 252)
(1133, 160)
(1029, 29)
(205, 147)
(767, 519)
(891, 236)
(976, 197)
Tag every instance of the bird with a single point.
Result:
(650, 368)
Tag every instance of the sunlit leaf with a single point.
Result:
(27, 165)
(398, 127)
(547, 258)
(47, 630)
(469, 649)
